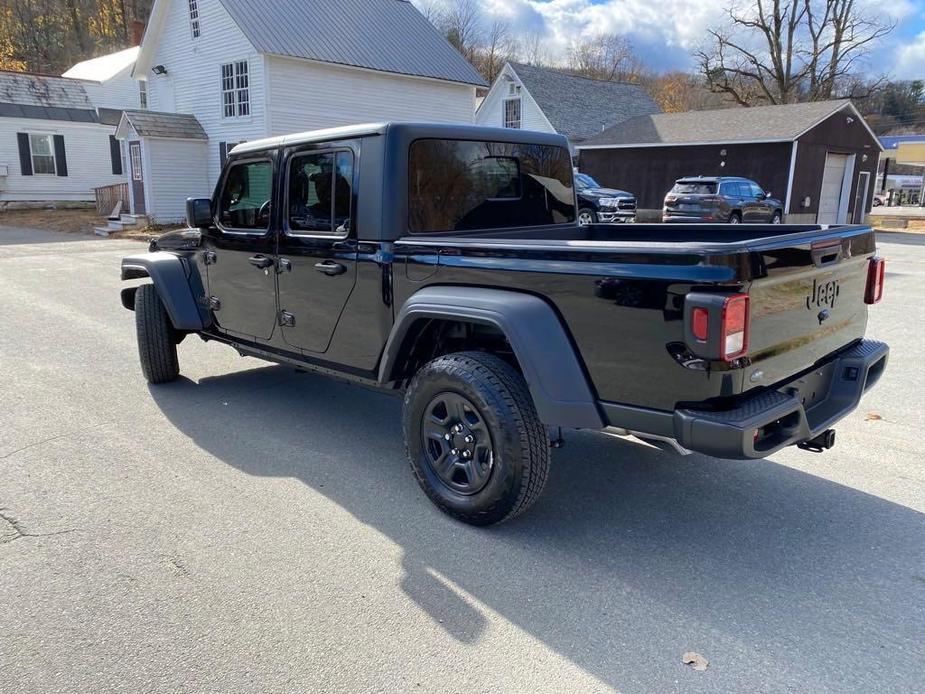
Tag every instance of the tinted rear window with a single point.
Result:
(457, 185)
(688, 188)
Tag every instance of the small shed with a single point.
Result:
(819, 158)
(166, 161)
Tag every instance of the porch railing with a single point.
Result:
(108, 196)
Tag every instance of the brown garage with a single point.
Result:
(819, 158)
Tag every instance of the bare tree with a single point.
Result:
(531, 49)
(783, 51)
(605, 57)
(462, 26)
(499, 47)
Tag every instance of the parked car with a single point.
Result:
(727, 199)
(466, 285)
(597, 204)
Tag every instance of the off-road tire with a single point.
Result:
(157, 344)
(520, 442)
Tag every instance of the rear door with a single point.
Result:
(240, 249)
(317, 243)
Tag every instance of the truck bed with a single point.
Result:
(620, 291)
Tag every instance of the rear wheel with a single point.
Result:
(586, 216)
(157, 345)
(476, 445)
(735, 218)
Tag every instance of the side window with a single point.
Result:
(246, 195)
(320, 191)
(458, 185)
(742, 190)
(727, 189)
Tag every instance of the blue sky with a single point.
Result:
(665, 31)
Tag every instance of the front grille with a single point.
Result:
(627, 204)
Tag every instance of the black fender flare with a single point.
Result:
(554, 374)
(172, 278)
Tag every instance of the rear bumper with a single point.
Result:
(795, 411)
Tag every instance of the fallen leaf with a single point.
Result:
(872, 417)
(695, 660)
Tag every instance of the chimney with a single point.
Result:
(138, 30)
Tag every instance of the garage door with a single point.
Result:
(830, 196)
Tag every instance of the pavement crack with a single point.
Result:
(18, 531)
(50, 439)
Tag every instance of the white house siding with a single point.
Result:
(174, 170)
(88, 161)
(306, 95)
(119, 92)
(491, 113)
(193, 80)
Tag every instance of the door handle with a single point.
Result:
(260, 261)
(330, 268)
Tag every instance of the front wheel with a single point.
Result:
(157, 345)
(776, 219)
(586, 216)
(475, 442)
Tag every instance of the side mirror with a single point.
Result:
(199, 212)
(765, 195)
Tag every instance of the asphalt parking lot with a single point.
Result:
(255, 528)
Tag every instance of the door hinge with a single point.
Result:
(209, 258)
(286, 319)
(214, 303)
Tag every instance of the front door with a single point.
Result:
(240, 251)
(138, 178)
(317, 245)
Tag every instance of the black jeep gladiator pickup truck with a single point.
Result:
(446, 263)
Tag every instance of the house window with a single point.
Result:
(135, 152)
(194, 18)
(43, 154)
(512, 113)
(236, 99)
(142, 94)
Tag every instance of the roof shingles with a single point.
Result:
(784, 122)
(579, 107)
(160, 124)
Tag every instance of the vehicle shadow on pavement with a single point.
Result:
(784, 580)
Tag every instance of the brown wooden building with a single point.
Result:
(819, 158)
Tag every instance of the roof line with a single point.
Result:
(349, 66)
(631, 145)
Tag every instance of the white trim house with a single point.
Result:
(53, 147)
(553, 101)
(246, 69)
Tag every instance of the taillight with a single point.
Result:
(700, 323)
(875, 273)
(734, 326)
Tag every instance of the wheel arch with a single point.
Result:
(539, 342)
(172, 278)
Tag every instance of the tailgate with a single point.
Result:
(807, 301)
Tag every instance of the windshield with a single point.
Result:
(694, 188)
(585, 181)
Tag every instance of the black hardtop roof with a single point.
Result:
(404, 131)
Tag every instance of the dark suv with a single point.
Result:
(721, 199)
(602, 205)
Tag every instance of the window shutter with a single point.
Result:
(222, 153)
(115, 154)
(60, 156)
(25, 154)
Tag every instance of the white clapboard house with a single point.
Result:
(219, 72)
(53, 146)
